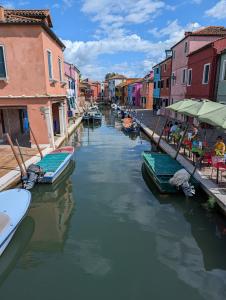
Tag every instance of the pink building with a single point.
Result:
(191, 42)
(32, 84)
(136, 92)
(72, 75)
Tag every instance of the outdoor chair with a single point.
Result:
(218, 165)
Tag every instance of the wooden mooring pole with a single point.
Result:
(162, 133)
(39, 150)
(23, 173)
(21, 155)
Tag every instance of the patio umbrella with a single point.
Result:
(215, 118)
(199, 108)
(181, 104)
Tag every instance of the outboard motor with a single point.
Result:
(181, 180)
(34, 174)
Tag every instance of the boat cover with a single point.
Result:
(51, 162)
(162, 164)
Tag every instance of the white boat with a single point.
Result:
(14, 205)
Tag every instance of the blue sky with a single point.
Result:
(124, 36)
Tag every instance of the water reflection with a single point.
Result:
(16, 247)
(196, 252)
(51, 209)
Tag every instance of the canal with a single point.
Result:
(103, 232)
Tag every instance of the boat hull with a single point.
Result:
(51, 176)
(161, 168)
(14, 203)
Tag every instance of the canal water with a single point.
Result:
(104, 232)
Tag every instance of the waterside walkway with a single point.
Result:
(9, 170)
(148, 123)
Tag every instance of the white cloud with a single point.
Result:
(114, 14)
(85, 54)
(218, 10)
(174, 31)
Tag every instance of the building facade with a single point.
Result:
(202, 70)
(221, 78)
(156, 90)
(37, 97)
(165, 69)
(147, 91)
(72, 75)
(112, 83)
(191, 42)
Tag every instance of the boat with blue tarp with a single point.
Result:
(161, 168)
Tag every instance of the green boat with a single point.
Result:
(161, 167)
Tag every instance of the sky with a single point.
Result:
(123, 36)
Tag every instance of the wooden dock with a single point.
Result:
(9, 171)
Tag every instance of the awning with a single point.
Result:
(181, 104)
(215, 118)
(198, 108)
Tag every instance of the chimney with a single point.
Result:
(187, 33)
(2, 15)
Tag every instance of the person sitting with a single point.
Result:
(174, 127)
(219, 147)
(127, 121)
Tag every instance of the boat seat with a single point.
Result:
(4, 221)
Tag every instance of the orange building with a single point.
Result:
(32, 85)
(122, 90)
(147, 91)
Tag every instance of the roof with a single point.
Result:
(165, 60)
(206, 31)
(28, 16)
(205, 46)
(73, 66)
(32, 17)
(117, 77)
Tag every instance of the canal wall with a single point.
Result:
(14, 177)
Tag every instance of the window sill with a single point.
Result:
(53, 81)
(5, 79)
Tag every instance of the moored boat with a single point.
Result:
(161, 168)
(14, 205)
(54, 163)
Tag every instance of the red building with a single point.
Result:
(166, 69)
(202, 70)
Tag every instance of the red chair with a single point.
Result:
(218, 164)
(207, 158)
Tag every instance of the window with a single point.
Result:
(206, 73)
(159, 84)
(173, 79)
(154, 84)
(2, 63)
(223, 77)
(184, 76)
(174, 54)
(157, 70)
(60, 69)
(167, 83)
(189, 77)
(186, 47)
(164, 67)
(50, 65)
(162, 84)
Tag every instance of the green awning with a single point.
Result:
(199, 108)
(215, 118)
(181, 104)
